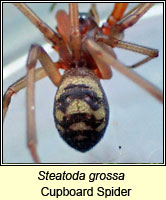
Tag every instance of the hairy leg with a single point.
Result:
(96, 51)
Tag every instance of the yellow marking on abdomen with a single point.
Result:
(77, 81)
(60, 128)
(100, 128)
(59, 115)
(80, 126)
(100, 113)
(78, 106)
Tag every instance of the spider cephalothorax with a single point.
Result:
(81, 109)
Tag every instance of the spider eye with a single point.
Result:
(84, 22)
(83, 16)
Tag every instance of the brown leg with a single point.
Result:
(14, 88)
(49, 68)
(94, 13)
(63, 25)
(45, 29)
(143, 61)
(130, 12)
(151, 53)
(75, 31)
(103, 67)
(114, 17)
(37, 53)
(131, 19)
(97, 51)
(117, 14)
(17, 86)
(113, 42)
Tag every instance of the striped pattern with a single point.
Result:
(81, 109)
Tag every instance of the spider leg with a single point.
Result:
(103, 67)
(17, 86)
(75, 35)
(63, 25)
(113, 42)
(117, 13)
(45, 29)
(131, 19)
(37, 53)
(114, 17)
(49, 68)
(94, 13)
(96, 51)
(143, 61)
(132, 10)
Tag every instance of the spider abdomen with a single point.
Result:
(81, 109)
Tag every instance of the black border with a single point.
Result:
(81, 164)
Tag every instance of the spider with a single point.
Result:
(86, 52)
